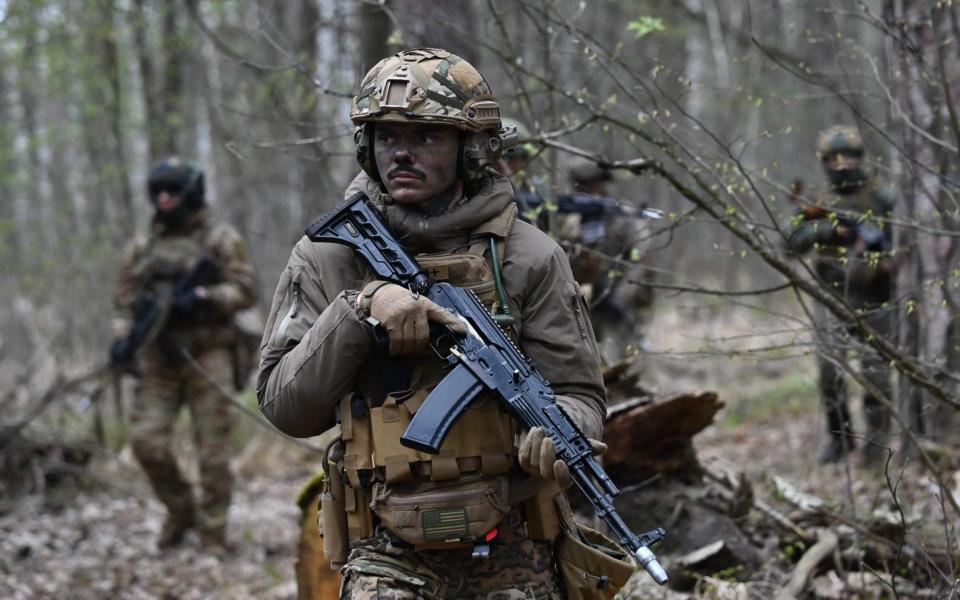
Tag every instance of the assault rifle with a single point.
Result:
(854, 226)
(152, 313)
(591, 207)
(482, 359)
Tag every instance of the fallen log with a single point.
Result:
(656, 437)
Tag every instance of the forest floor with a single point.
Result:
(95, 537)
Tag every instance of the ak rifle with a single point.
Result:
(482, 359)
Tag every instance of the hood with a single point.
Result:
(488, 211)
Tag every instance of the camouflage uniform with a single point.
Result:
(862, 277)
(518, 568)
(168, 383)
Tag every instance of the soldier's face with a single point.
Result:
(838, 161)
(416, 162)
(166, 202)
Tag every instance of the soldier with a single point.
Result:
(617, 290)
(417, 525)
(513, 164)
(847, 228)
(200, 321)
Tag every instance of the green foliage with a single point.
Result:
(646, 24)
(794, 393)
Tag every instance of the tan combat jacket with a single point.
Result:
(316, 349)
(162, 257)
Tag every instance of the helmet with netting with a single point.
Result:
(430, 86)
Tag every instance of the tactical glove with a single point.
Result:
(538, 456)
(404, 316)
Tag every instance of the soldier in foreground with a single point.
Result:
(199, 321)
(467, 522)
(848, 229)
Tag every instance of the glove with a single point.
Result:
(405, 316)
(189, 301)
(538, 457)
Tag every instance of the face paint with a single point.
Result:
(416, 162)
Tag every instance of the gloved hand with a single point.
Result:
(538, 456)
(405, 316)
(190, 300)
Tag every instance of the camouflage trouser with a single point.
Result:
(834, 342)
(163, 390)
(517, 569)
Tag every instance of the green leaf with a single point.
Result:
(646, 24)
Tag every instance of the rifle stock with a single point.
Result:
(483, 359)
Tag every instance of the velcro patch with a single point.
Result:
(444, 524)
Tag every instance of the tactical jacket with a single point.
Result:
(863, 278)
(158, 260)
(316, 348)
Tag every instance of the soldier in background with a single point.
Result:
(200, 321)
(848, 229)
(608, 256)
(513, 164)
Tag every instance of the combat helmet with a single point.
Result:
(429, 85)
(842, 138)
(839, 138)
(585, 172)
(177, 177)
(517, 130)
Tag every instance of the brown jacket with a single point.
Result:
(316, 348)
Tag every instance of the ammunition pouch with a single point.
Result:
(453, 498)
(442, 515)
(333, 521)
(591, 565)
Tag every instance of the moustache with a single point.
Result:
(405, 169)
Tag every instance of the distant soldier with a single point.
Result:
(849, 231)
(607, 253)
(199, 321)
(513, 164)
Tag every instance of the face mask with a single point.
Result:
(844, 180)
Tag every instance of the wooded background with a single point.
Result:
(726, 96)
(723, 99)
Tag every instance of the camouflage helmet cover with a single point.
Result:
(430, 86)
(426, 84)
(839, 138)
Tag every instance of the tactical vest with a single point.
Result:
(455, 497)
(158, 267)
(858, 279)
